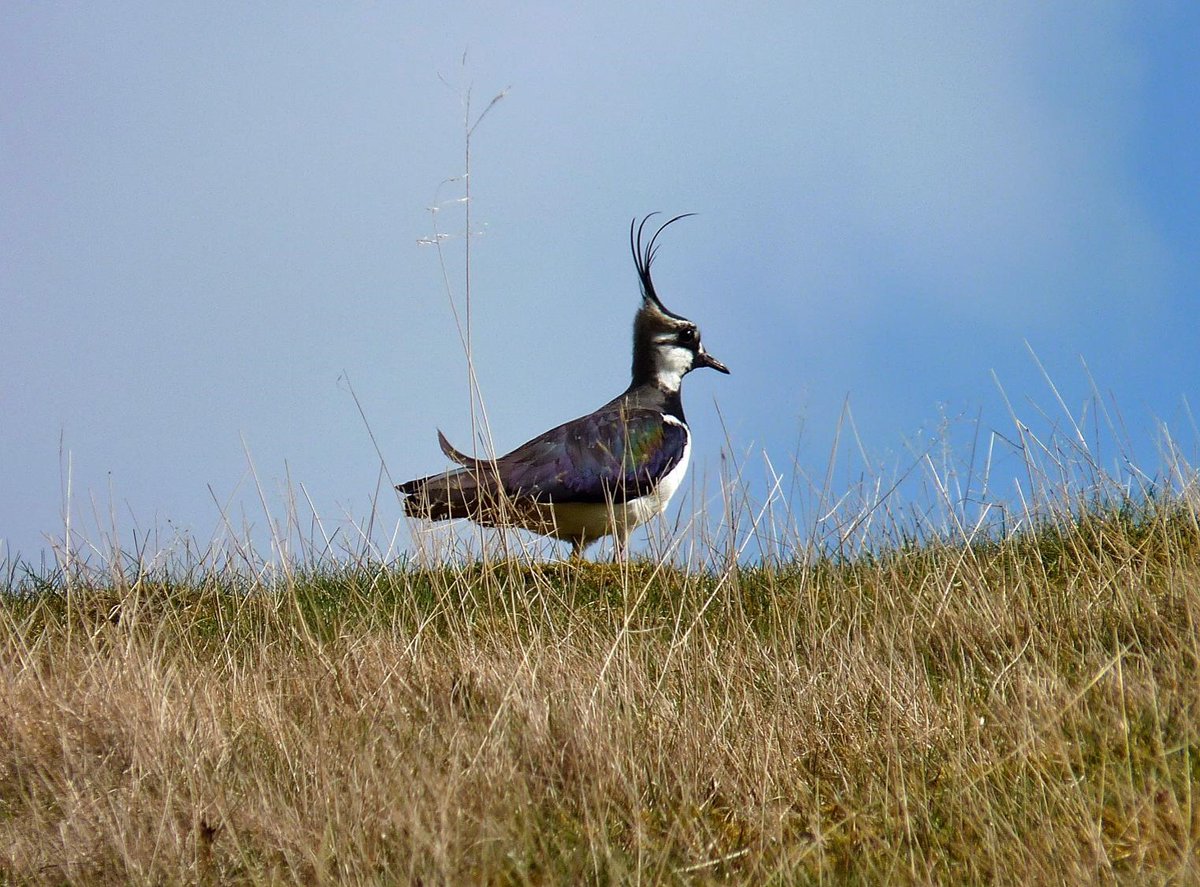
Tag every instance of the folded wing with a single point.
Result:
(615, 455)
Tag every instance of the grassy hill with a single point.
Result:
(1025, 709)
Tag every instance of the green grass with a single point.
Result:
(1024, 709)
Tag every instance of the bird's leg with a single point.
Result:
(621, 548)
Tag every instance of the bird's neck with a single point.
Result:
(649, 394)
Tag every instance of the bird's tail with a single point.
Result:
(443, 496)
(473, 491)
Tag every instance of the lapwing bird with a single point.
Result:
(601, 474)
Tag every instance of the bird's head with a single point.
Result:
(666, 346)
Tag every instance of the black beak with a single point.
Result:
(704, 359)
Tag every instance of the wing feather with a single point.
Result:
(615, 455)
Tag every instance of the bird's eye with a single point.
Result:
(687, 336)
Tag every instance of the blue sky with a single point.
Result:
(211, 218)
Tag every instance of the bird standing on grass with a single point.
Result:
(601, 474)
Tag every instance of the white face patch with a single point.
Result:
(671, 364)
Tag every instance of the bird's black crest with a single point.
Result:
(643, 256)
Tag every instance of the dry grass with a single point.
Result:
(1019, 710)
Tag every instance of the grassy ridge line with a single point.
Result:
(1024, 710)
